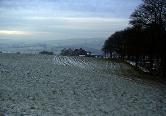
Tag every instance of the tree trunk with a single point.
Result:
(151, 64)
(136, 61)
(110, 54)
(163, 66)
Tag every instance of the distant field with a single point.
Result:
(41, 85)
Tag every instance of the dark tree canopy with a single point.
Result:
(74, 52)
(150, 12)
(145, 41)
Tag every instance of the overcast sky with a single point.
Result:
(63, 19)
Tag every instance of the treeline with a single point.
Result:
(46, 52)
(144, 42)
(74, 52)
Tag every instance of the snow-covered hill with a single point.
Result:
(42, 85)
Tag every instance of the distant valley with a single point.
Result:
(31, 46)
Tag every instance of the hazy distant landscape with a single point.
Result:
(33, 46)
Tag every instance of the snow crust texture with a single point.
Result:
(41, 85)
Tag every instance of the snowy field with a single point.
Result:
(40, 85)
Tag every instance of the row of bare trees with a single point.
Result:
(144, 42)
(74, 52)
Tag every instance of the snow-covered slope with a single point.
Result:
(39, 85)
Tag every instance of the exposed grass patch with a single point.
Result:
(138, 73)
(135, 73)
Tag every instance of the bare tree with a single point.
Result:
(151, 14)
